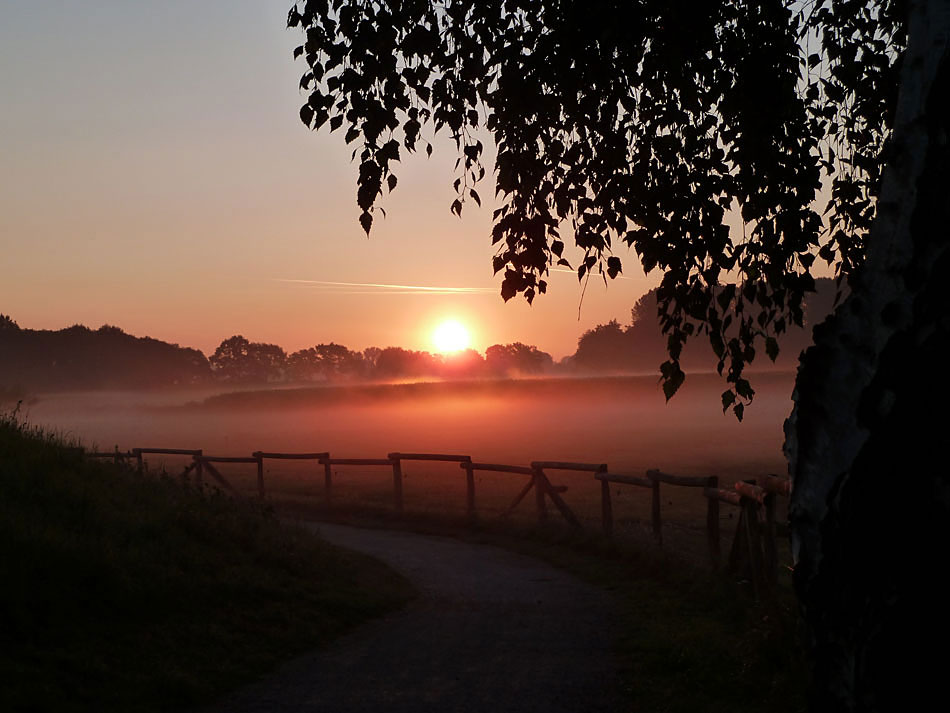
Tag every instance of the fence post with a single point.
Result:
(771, 550)
(260, 475)
(750, 531)
(606, 507)
(397, 484)
(115, 458)
(657, 521)
(328, 482)
(199, 468)
(712, 523)
(539, 491)
(139, 465)
(469, 490)
(750, 510)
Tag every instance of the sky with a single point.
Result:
(156, 177)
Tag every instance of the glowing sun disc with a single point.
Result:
(450, 336)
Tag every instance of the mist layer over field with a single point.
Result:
(622, 421)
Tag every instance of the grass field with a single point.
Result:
(125, 593)
(623, 421)
(689, 640)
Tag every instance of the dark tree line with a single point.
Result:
(641, 346)
(81, 358)
(238, 360)
(107, 358)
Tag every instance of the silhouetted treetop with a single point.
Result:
(607, 347)
(463, 364)
(239, 360)
(394, 362)
(642, 122)
(517, 358)
(325, 362)
(81, 358)
(641, 346)
(78, 357)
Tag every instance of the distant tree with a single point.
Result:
(370, 357)
(649, 345)
(606, 347)
(145, 361)
(6, 322)
(464, 364)
(645, 123)
(517, 358)
(644, 309)
(82, 358)
(325, 362)
(642, 346)
(241, 361)
(306, 365)
(395, 362)
(498, 359)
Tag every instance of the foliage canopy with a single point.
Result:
(651, 123)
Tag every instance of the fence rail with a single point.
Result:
(116, 455)
(290, 456)
(168, 451)
(561, 465)
(431, 456)
(753, 549)
(730, 497)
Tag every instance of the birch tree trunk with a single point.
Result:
(870, 510)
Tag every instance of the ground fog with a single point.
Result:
(621, 421)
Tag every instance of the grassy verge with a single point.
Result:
(687, 639)
(690, 640)
(129, 593)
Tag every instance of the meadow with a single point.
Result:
(623, 421)
(139, 593)
(701, 645)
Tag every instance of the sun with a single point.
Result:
(450, 336)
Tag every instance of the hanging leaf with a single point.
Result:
(366, 220)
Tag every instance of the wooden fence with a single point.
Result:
(753, 554)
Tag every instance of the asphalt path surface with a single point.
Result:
(491, 631)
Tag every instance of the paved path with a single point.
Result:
(492, 632)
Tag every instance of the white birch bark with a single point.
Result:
(823, 435)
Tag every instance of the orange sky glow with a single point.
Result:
(180, 197)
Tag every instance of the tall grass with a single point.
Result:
(142, 593)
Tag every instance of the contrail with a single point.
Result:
(371, 288)
(380, 288)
